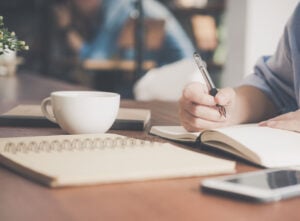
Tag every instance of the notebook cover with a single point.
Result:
(31, 116)
(34, 121)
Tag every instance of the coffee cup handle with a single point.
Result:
(44, 104)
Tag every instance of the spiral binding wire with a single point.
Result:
(72, 145)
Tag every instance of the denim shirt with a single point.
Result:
(278, 76)
(176, 44)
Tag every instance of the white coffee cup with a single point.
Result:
(81, 112)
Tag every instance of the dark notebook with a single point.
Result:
(31, 116)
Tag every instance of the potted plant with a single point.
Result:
(9, 45)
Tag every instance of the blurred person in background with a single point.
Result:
(92, 29)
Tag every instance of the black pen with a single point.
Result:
(209, 83)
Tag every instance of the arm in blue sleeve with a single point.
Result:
(177, 44)
(275, 75)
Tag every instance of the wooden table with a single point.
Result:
(177, 199)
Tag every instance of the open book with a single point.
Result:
(71, 160)
(264, 146)
(32, 116)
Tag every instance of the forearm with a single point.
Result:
(252, 105)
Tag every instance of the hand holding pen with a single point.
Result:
(209, 83)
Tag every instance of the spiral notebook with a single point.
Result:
(73, 160)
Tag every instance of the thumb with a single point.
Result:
(225, 96)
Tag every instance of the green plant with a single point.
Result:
(9, 40)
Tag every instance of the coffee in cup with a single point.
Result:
(81, 112)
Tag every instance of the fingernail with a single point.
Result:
(262, 123)
(271, 123)
(267, 123)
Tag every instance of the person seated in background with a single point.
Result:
(93, 28)
(270, 96)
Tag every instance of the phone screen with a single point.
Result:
(269, 180)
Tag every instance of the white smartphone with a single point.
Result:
(263, 185)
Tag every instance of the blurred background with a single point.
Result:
(72, 41)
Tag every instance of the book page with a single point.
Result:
(177, 133)
(270, 147)
(114, 158)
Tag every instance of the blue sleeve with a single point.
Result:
(104, 45)
(277, 76)
(176, 44)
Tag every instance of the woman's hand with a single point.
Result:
(198, 109)
(289, 121)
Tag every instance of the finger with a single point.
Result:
(287, 116)
(225, 96)
(198, 123)
(186, 118)
(200, 111)
(291, 125)
(198, 93)
(204, 112)
(190, 128)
